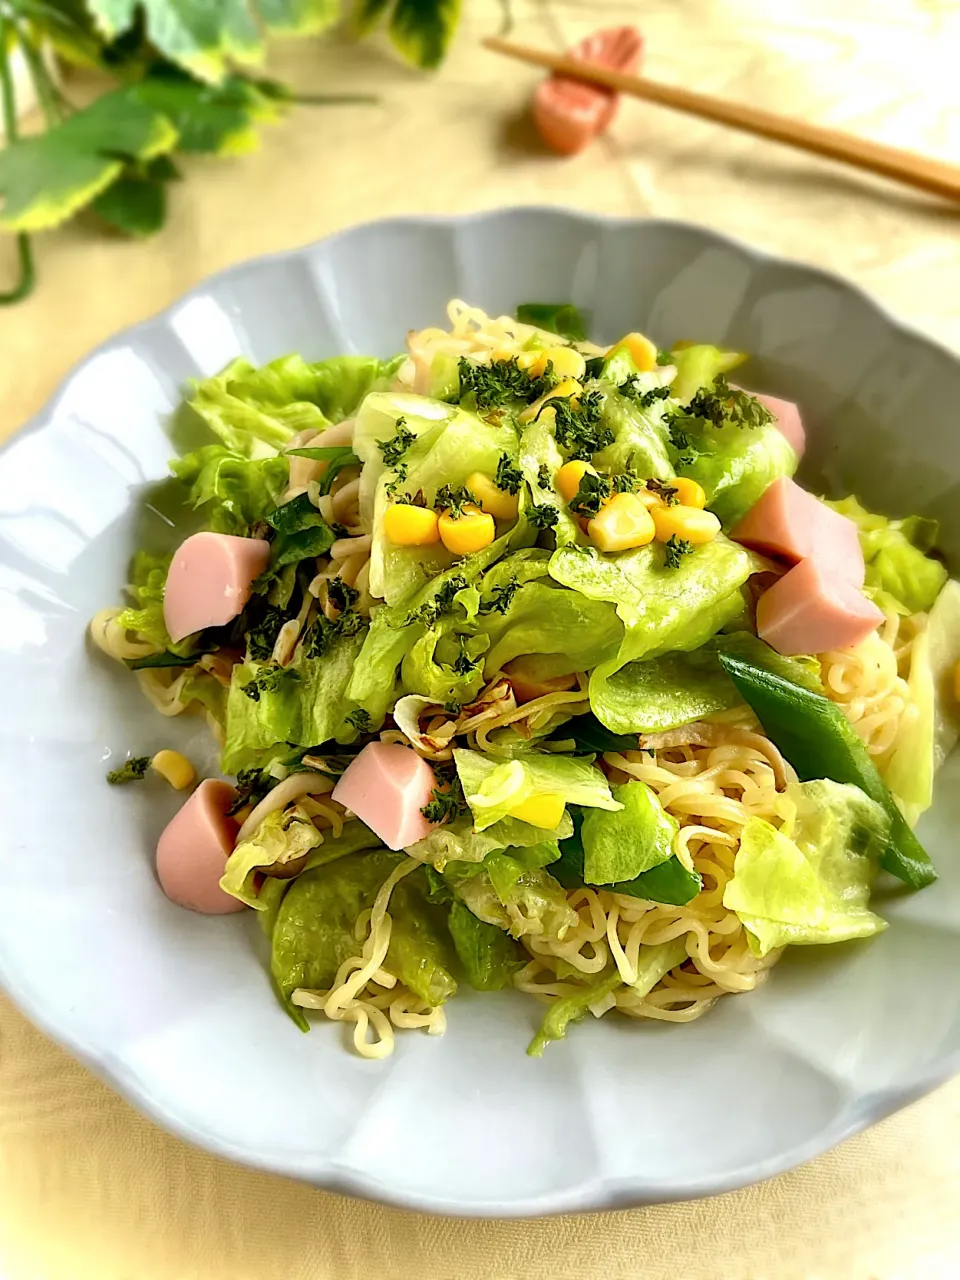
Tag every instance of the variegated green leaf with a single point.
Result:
(219, 119)
(422, 29)
(47, 178)
(205, 36)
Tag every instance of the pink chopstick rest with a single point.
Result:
(569, 114)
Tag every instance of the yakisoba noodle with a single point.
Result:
(711, 791)
(712, 776)
(870, 681)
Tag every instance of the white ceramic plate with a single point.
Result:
(175, 1010)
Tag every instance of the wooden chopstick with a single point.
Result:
(934, 176)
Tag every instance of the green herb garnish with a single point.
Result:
(133, 770)
(501, 597)
(269, 680)
(447, 799)
(252, 786)
(593, 492)
(508, 476)
(361, 720)
(723, 405)
(341, 595)
(441, 603)
(666, 492)
(501, 383)
(674, 550)
(645, 399)
(542, 515)
(262, 637)
(393, 449)
(579, 429)
(453, 498)
(463, 664)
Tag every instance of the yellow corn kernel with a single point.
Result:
(408, 526)
(471, 531)
(688, 523)
(527, 360)
(689, 493)
(568, 478)
(565, 390)
(640, 349)
(540, 811)
(175, 769)
(567, 362)
(495, 502)
(502, 355)
(622, 523)
(956, 682)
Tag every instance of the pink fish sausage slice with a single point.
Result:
(386, 786)
(788, 420)
(194, 847)
(793, 525)
(209, 581)
(808, 611)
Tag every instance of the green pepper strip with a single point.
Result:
(817, 739)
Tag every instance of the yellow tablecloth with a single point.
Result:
(87, 1187)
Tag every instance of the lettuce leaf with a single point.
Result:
(662, 609)
(493, 788)
(900, 574)
(396, 629)
(814, 887)
(489, 957)
(925, 739)
(253, 726)
(200, 686)
(542, 618)
(255, 411)
(421, 953)
(697, 366)
(512, 891)
(324, 697)
(676, 688)
(669, 881)
(664, 692)
(540, 460)
(305, 704)
(341, 383)
(653, 964)
(443, 666)
(284, 836)
(314, 929)
(620, 846)
(458, 841)
(148, 579)
(448, 444)
(234, 491)
(640, 436)
(735, 465)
